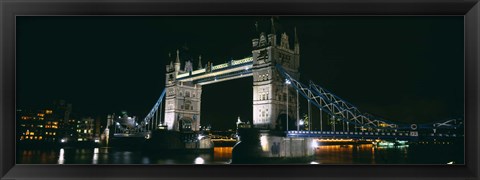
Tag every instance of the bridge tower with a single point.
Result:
(183, 99)
(269, 88)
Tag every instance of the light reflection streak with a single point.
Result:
(61, 158)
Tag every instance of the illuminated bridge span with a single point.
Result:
(217, 73)
(274, 66)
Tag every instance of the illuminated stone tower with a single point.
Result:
(269, 87)
(182, 101)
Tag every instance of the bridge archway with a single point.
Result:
(186, 124)
(281, 122)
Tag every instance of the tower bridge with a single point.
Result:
(276, 88)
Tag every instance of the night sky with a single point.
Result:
(401, 68)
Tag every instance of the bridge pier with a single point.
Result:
(267, 146)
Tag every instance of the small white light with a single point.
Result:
(199, 160)
(287, 82)
(200, 137)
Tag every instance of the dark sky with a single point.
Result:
(401, 68)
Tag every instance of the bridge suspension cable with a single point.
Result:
(350, 114)
(336, 107)
(152, 117)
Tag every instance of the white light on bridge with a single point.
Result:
(287, 82)
(301, 122)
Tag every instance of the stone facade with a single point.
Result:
(182, 101)
(269, 87)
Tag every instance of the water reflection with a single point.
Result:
(324, 154)
(199, 160)
(95, 156)
(61, 158)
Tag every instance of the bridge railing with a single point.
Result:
(398, 135)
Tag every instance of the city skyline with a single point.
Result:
(102, 65)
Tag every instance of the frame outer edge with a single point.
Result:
(472, 51)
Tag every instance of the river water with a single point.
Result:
(325, 154)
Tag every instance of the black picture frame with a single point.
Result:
(10, 9)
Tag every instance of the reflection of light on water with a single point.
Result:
(95, 156)
(223, 154)
(61, 158)
(199, 160)
(145, 160)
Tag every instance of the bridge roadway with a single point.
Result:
(412, 135)
(231, 70)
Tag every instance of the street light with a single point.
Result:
(287, 82)
(116, 124)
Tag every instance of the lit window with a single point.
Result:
(48, 111)
(40, 115)
(31, 133)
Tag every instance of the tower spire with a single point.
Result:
(296, 44)
(178, 57)
(296, 37)
(200, 62)
(273, 25)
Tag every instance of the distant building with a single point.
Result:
(37, 126)
(85, 129)
(45, 125)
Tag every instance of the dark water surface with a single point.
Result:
(325, 154)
